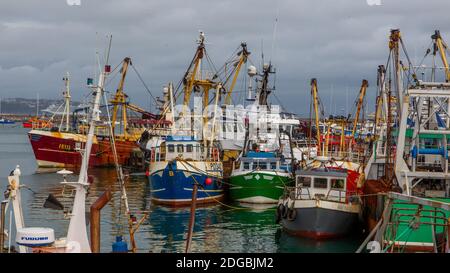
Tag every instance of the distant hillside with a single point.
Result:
(28, 106)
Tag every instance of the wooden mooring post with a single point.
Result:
(192, 218)
(95, 220)
(2, 226)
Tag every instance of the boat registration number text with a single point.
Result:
(65, 147)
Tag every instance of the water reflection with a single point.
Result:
(289, 243)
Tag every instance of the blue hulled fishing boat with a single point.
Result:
(176, 163)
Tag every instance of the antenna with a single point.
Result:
(262, 53)
(109, 50)
(274, 35)
(37, 104)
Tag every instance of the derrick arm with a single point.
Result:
(242, 59)
(441, 46)
(362, 94)
(197, 60)
(120, 98)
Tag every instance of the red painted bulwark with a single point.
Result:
(52, 151)
(315, 235)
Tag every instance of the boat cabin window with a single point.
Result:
(303, 181)
(189, 148)
(171, 148)
(180, 148)
(273, 165)
(320, 183)
(246, 166)
(262, 165)
(337, 183)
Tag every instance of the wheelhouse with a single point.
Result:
(263, 161)
(186, 148)
(324, 184)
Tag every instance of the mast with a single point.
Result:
(66, 94)
(394, 42)
(37, 104)
(77, 228)
(265, 90)
(314, 93)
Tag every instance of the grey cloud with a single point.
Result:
(339, 42)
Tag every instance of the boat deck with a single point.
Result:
(412, 225)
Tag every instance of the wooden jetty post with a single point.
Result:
(192, 219)
(2, 228)
(95, 220)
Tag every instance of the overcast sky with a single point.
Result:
(339, 42)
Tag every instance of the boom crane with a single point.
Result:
(243, 55)
(192, 81)
(362, 94)
(120, 98)
(441, 46)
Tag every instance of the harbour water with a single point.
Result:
(217, 228)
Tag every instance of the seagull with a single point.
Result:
(17, 171)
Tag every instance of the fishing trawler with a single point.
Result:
(186, 157)
(324, 202)
(263, 170)
(260, 178)
(409, 159)
(59, 147)
(179, 162)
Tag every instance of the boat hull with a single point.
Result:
(172, 183)
(7, 122)
(322, 221)
(26, 124)
(62, 150)
(258, 187)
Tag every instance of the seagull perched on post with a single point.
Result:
(17, 171)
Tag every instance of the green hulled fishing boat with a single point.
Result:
(260, 177)
(264, 167)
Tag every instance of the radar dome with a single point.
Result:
(35, 236)
(251, 71)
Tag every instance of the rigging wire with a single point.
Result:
(145, 85)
